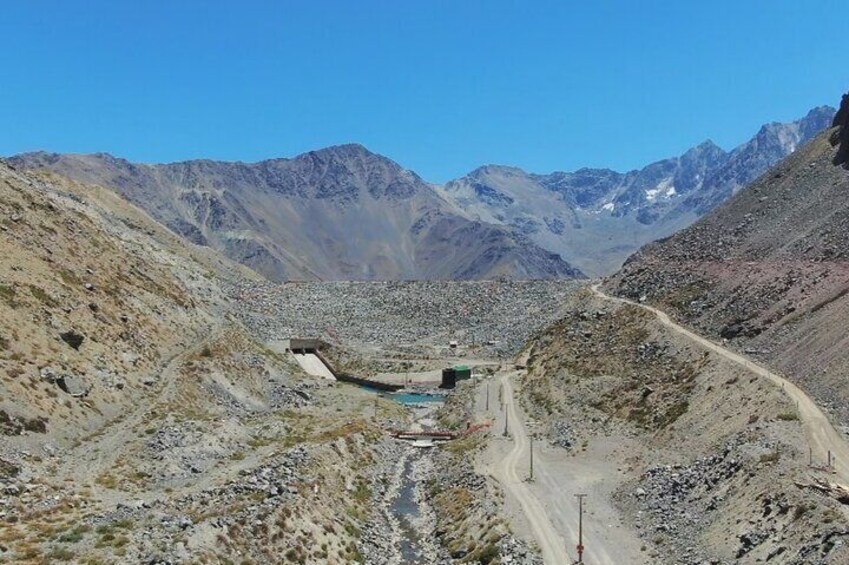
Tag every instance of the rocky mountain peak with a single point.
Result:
(705, 147)
(499, 170)
(342, 152)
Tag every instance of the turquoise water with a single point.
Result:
(407, 397)
(415, 397)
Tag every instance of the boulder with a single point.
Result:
(73, 338)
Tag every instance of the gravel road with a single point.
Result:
(508, 472)
(822, 436)
(548, 502)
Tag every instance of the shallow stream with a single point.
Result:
(406, 509)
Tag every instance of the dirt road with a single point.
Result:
(553, 547)
(548, 503)
(821, 434)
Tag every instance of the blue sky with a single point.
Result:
(440, 86)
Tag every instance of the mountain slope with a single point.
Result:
(595, 218)
(132, 402)
(337, 213)
(94, 298)
(768, 269)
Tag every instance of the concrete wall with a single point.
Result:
(303, 343)
(345, 378)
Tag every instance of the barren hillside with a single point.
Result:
(96, 298)
(139, 423)
(768, 270)
(706, 461)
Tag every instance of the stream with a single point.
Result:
(406, 509)
(414, 518)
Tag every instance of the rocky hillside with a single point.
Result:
(141, 423)
(341, 213)
(128, 396)
(493, 317)
(712, 461)
(95, 299)
(767, 271)
(595, 218)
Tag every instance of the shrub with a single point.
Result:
(7, 294)
(771, 457)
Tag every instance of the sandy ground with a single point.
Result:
(545, 510)
(822, 436)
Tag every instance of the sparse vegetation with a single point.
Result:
(41, 295)
(771, 457)
(7, 294)
(69, 278)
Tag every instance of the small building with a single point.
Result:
(449, 378)
(452, 344)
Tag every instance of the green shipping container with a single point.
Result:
(463, 372)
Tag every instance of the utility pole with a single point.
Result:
(501, 396)
(506, 414)
(375, 405)
(531, 478)
(580, 547)
(487, 396)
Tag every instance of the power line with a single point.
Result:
(580, 546)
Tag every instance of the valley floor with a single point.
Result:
(686, 454)
(546, 508)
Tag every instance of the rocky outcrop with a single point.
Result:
(841, 136)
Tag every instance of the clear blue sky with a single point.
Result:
(439, 86)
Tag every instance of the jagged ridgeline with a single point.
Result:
(345, 213)
(341, 213)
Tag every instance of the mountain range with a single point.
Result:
(346, 213)
(595, 218)
(340, 213)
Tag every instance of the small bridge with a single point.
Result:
(418, 435)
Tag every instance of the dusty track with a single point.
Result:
(101, 453)
(548, 504)
(822, 436)
(553, 547)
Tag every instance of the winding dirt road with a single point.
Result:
(821, 434)
(552, 546)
